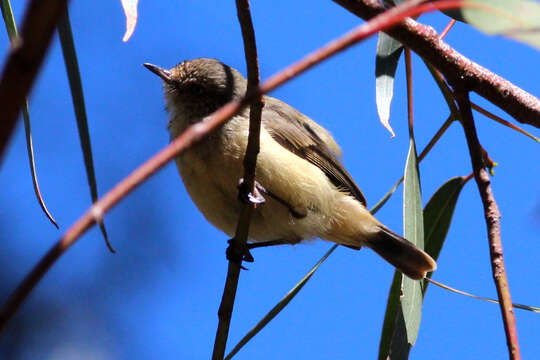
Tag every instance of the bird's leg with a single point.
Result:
(245, 255)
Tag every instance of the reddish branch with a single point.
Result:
(492, 216)
(192, 135)
(238, 243)
(24, 61)
(423, 40)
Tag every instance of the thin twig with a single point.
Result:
(24, 60)
(424, 41)
(447, 29)
(492, 216)
(238, 243)
(192, 135)
(492, 116)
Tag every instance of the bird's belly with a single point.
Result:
(216, 197)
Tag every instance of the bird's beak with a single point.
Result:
(162, 73)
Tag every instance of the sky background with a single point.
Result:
(158, 296)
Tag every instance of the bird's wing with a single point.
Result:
(303, 137)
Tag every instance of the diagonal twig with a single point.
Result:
(492, 216)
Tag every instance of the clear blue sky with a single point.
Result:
(158, 296)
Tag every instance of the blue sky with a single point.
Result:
(158, 296)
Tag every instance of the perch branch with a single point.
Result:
(238, 243)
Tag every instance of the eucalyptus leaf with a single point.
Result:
(438, 214)
(387, 59)
(130, 10)
(75, 84)
(516, 19)
(11, 27)
(413, 224)
(390, 324)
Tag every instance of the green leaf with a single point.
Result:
(388, 53)
(75, 84)
(411, 301)
(11, 28)
(438, 214)
(516, 19)
(393, 325)
(278, 307)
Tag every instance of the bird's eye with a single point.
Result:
(196, 89)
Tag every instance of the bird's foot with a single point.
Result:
(247, 196)
(237, 253)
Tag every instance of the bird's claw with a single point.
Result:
(238, 254)
(251, 197)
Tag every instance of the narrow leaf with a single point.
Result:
(516, 19)
(535, 309)
(75, 84)
(438, 214)
(11, 28)
(413, 225)
(386, 62)
(130, 10)
(279, 306)
(391, 325)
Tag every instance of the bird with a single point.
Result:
(306, 190)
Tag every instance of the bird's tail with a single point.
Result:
(401, 253)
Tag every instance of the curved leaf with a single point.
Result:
(393, 326)
(75, 84)
(388, 53)
(11, 28)
(130, 10)
(517, 19)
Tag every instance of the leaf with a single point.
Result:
(75, 84)
(516, 19)
(11, 28)
(278, 307)
(535, 309)
(392, 328)
(413, 225)
(438, 214)
(388, 53)
(130, 10)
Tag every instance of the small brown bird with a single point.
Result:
(308, 192)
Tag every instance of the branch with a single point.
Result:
(423, 40)
(25, 58)
(238, 243)
(192, 135)
(492, 216)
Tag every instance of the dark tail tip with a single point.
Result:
(401, 253)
